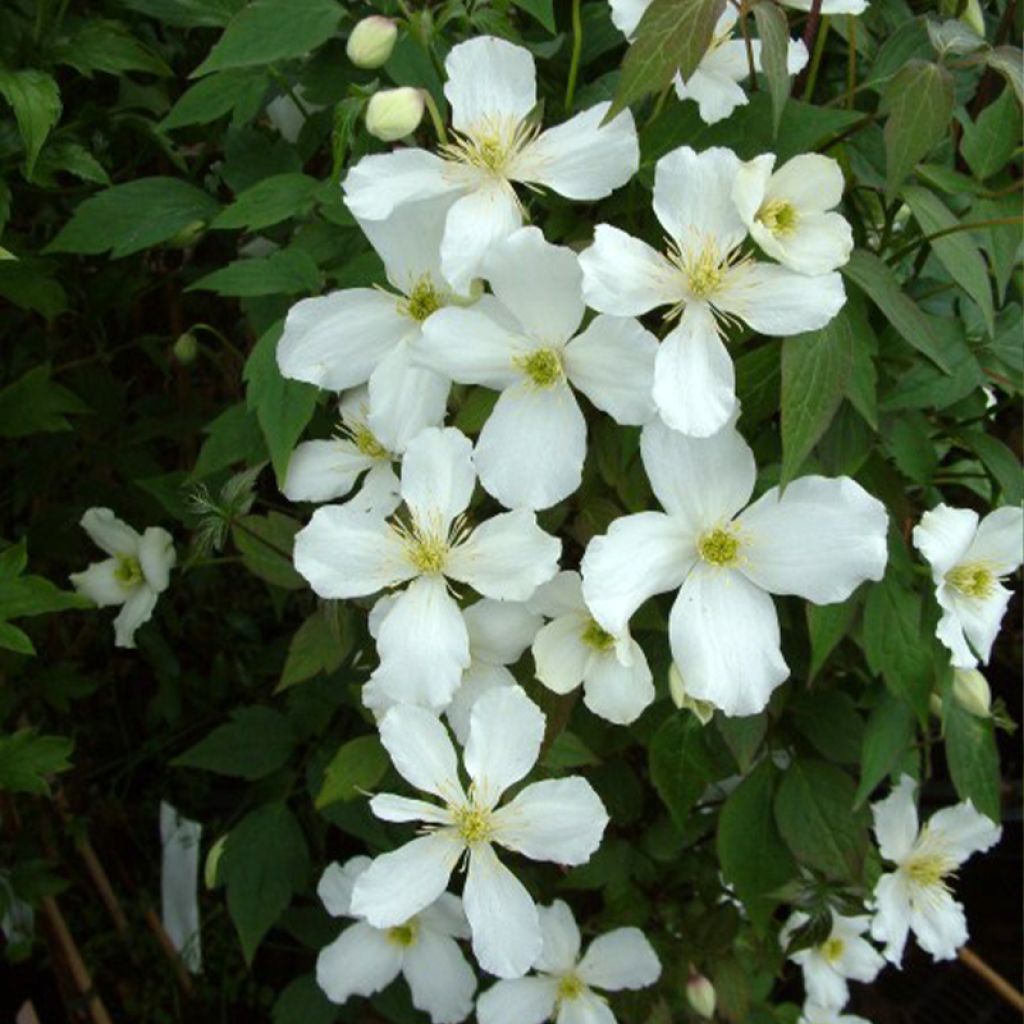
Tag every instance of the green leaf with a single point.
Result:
(973, 758)
(320, 644)
(102, 45)
(673, 36)
(743, 736)
(957, 252)
(286, 272)
(234, 436)
(681, 764)
(29, 284)
(266, 31)
(213, 97)
(255, 743)
(827, 624)
(71, 158)
(829, 720)
(265, 544)
(1000, 462)
(989, 143)
(265, 862)
(113, 219)
(879, 284)
(303, 1000)
(773, 28)
(35, 99)
(814, 812)
(36, 404)
(542, 10)
(887, 735)
(1009, 62)
(26, 759)
(815, 371)
(357, 767)
(569, 751)
(919, 101)
(268, 202)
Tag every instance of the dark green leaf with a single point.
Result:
(542, 10)
(829, 720)
(773, 28)
(319, 645)
(35, 99)
(989, 142)
(268, 202)
(681, 764)
(286, 272)
(827, 624)
(888, 733)
(255, 743)
(265, 544)
(212, 97)
(357, 767)
(973, 758)
(102, 45)
(26, 759)
(35, 403)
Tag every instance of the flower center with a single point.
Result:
(779, 216)
(719, 546)
(703, 267)
(929, 869)
(404, 935)
(473, 823)
(974, 580)
(423, 300)
(569, 987)
(128, 572)
(832, 949)
(543, 367)
(491, 145)
(594, 636)
(364, 439)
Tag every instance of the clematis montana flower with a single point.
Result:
(136, 574)
(706, 281)
(714, 84)
(359, 335)
(572, 649)
(812, 1014)
(530, 452)
(492, 88)
(916, 896)
(844, 954)
(789, 213)
(363, 960)
(819, 540)
(563, 988)
(969, 559)
(560, 820)
(422, 641)
(829, 7)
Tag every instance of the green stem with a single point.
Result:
(851, 60)
(435, 117)
(290, 92)
(924, 239)
(577, 47)
(819, 52)
(222, 338)
(749, 46)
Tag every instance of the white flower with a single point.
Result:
(560, 820)
(531, 449)
(812, 1014)
(789, 213)
(829, 7)
(135, 575)
(573, 648)
(844, 954)
(562, 990)
(819, 540)
(701, 709)
(968, 560)
(422, 642)
(705, 280)
(362, 960)
(916, 896)
(355, 335)
(492, 88)
(714, 84)
(323, 470)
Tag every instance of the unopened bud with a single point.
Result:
(213, 863)
(682, 700)
(186, 348)
(972, 17)
(971, 691)
(372, 41)
(392, 114)
(700, 994)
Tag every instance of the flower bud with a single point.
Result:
(700, 994)
(392, 114)
(371, 42)
(971, 691)
(972, 17)
(682, 700)
(210, 868)
(186, 348)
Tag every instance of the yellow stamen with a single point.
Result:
(427, 544)
(703, 268)
(128, 572)
(473, 823)
(779, 216)
(491, 145)
(832, 949)
(719, 546)
(596, 637)
(974, 580)
(929, 870)
(422, 300)
(543, 367)
(569, 987)
(403, 935)
(365, 440)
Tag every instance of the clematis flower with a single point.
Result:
(573, 649)
(422, 641)
(844, 954)
(563, 988)
(706, 281)
(359, 335)
(969, 559)
(560, 820)
(492, 88)
(789, 213)
(812, 1014)
(829, 7)
(916, 896)
(531, 449)
(818, 540)
(363, 960)
(136, 574)
(714, 84)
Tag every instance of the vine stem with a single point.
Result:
(748, 46)
(577, 47)
(851, 61)
(924, 239)
(817, 37)
(435, 117)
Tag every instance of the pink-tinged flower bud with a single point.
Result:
(371, 42)
(392, 114)
(700, 994)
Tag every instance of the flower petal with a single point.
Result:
(421, 751)
(561, 939)
(409, 242)
(335, 885)
(625, 276)
(438, 476)
(561, 595)
(943, 536)
(980, 618)
(157, 557)
(389, 807)
(895, 820)
(829, 7)
(777, 301)
(479, 219)
(585, 1008)
(109, 533)
(478, 679)
(380, 183)
(999, 541)
(404, 398)
(359, 962)
(446, 917)
(891, 921)
(520, 1001)
(714, 85)
(821, 242)
(616, 692)
(441, 982)
(321, 470)
(963, 831)
(750, 186)
(559, 654)
(100, 584)
(490, 81)
(621, 959)
(486, 359)
(135, 612)
(499, 631)
(939, 924)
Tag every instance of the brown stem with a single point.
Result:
(991, 977)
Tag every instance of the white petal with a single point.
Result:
(380, 493)
(891, 923)
(478, 679)
(378, 184)
(421, 751)
(693, 197)
(135, 612)
(950, 629)
(999, 541)
(810, 181)
(612, 363)
(750, 186)
(490, 81)
(561, 939)
(963, 831)
(335, 341)
(560, 820)
(471, 347)
(641, 555)
(389, 807)
(476, 222)
(157, 557)
(335, 885)
(560, 656)
(823, 983)
(109, 533)
(343, 552)
(625, 276)
(819, 243)
(530, 452)
(939, 924)
(617, 692)
(586, 1008)
(360, 962)
(445, 917)
(505, 732)
(405, 399)
(829, 7)
(401, 883)
(622, 959)
(694, 378)
(438, 476)
(507, 557)
(502, 915)
(499, 631)
(520, 1001)
(725, 640)
(895, 820)
(441, 982)
(777, 301)
(981, 618)
(715, 89)
(860, 960)
(820, 540)
(797, 56)
(581, 158)
(100, 584)
(561, 595)
(409, 242)
(943, 536)
(321, 470)
(626, 14)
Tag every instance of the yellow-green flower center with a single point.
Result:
(719, 546)
(569, 987)
(423, 300)
(973, 580)
(403, 935)
(543, 367)
(427, 553)
(779, 216)
(832, 949)
(929, 869)
(128, 572)
(364, 439)
(596, 637)
(490, 146)
(473, 824)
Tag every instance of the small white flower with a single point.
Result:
(812, 1014)
(706, 280)
(572, 649)
(789, 213)
(563, 988)
(136, 574)
(819, 540)
(363, 960)
(916, 896)
(492, 88)
(968, 560)
(560, 820)
(844, 954)
(530, 452)
(829, 7)
(423, 643)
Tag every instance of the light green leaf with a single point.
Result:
(255, 743)
(286, 272)
(357, 767)
(26, 759)
(269, 202)
(773, 28)
(212, 97)
(35, 99)
(320, 644)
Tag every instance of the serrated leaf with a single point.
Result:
(255, 743)
(773, 28)
(268, 202)
(36, 404)
(100, 44)
(26, 759)
(286, 272)
(989, 143)
(319, 645)
(357, 767)
(35, 99)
